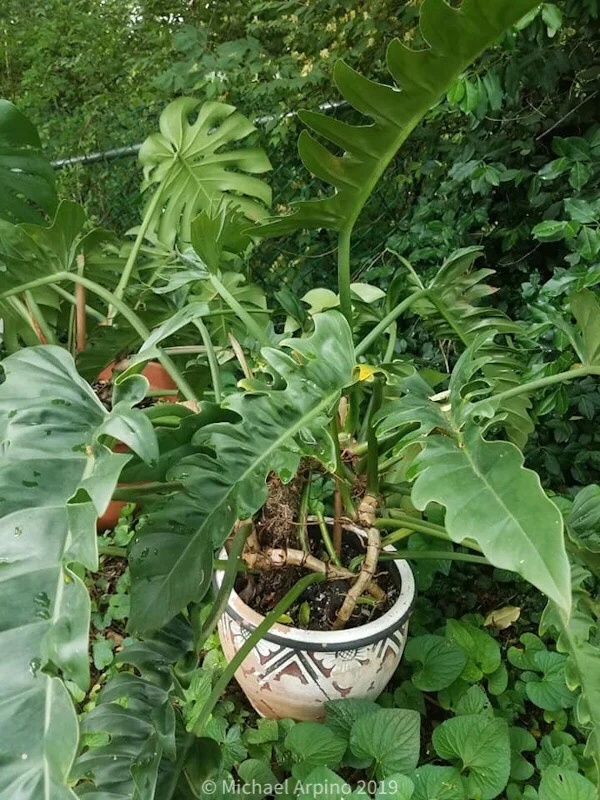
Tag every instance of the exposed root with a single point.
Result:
(366, 518)
(278, 558)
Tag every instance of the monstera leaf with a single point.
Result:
(171, 558)
(455, 37)
(27, 191)
(488, 494)
(190, 170)
(56, 478)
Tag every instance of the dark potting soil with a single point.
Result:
(262, 590)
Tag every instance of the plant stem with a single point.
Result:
(389, 350)
(341, 482)
(235, 305)
(131, 317)
(80, 317)
(343, 264)
(111, 550)
(397, 536)
(446, 555)
(271, 618)
(39, 319)
(133, 254)
(70, 299)
(212, 358)
(231, 571)
(372, 446)
(541, 383)
(387, 321)
(303, 513)
(327, 539)
(421, 526)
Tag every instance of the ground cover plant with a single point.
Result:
(297, 411)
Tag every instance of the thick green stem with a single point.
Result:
(253, 328)
(421, 526)
(540, 383)
(343, 262)
(389, 351)
(133, 254)
(97, 315)
(372, 451)
(272, 617)
(385, 323)
(39, 318)
(341, 482)
(212, 358)
(327, 539)
(446, 555)
(415, 555)
(131, 317)
(230, 574)
(303, 513)
(111, 550)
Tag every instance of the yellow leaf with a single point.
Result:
(366, 371)
(502, 618)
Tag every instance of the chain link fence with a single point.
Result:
(107, 184)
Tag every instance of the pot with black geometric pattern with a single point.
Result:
(292, 672)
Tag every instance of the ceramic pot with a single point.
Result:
(292, 672)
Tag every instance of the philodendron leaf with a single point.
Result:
(455, 38)
(27, 190)
(171, 558)
(56, 479)
(437, 783)
(191, 171)
(390, 737)
(481, 748)
(442, 661)
(488, 495)
(576, 636)
(583, 523)
(135, 744)
(565, 784)
(314, 745)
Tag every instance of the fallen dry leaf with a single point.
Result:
(502, 618)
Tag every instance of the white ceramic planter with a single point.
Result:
(292, 672)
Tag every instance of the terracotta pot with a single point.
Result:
(157, 376)
(292, 672)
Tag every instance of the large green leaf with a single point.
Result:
(488, 494)
(171, 558)
(56, 478)
(577, 637)
(390, 737)
(129, 747)
(26, 178)
(455, 37)
(586, 310)
(190, 170)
